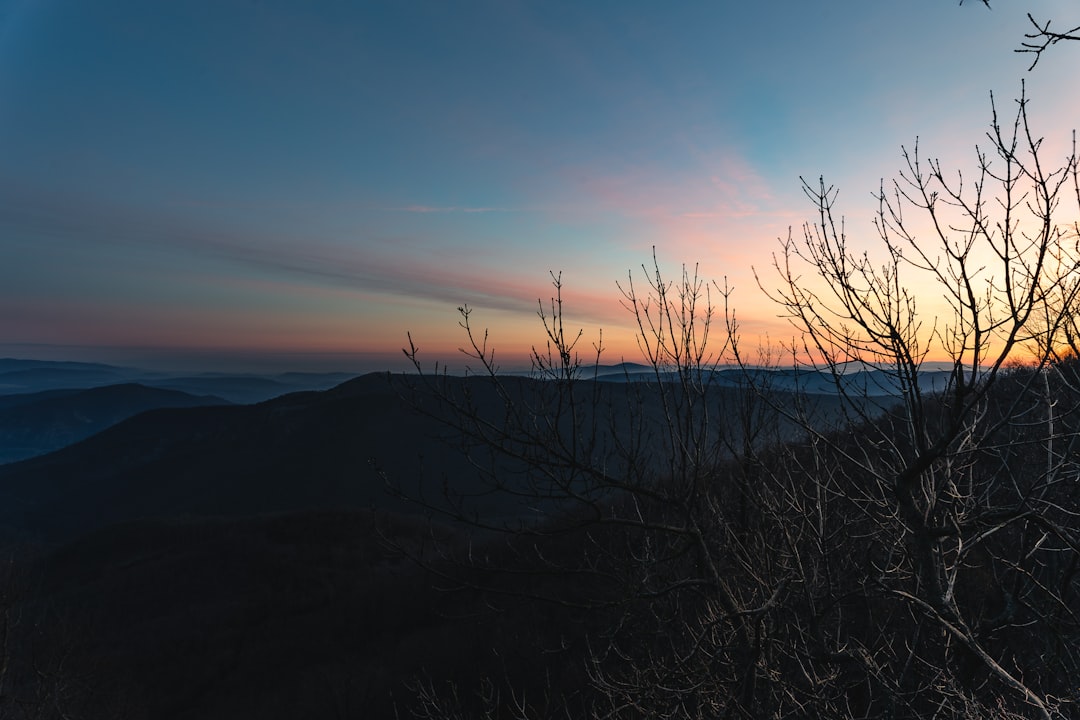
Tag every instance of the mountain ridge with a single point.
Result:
(33, 424)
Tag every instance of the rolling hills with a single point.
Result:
(38, 423)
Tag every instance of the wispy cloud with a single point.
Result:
(372, 262)
(425, 209)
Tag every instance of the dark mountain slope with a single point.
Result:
(299, 451)
(51, 377)
(297, 615)
(304, 450)
(236, 388)
(37, 423)
(10, 401)
(35, 376)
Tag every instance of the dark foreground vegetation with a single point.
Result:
(920, 559)
(861, 571)
(778, 581)
(303, 615)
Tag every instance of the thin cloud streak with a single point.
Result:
(386, 265)
(267, 177)
(429, 209)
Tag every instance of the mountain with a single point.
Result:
(218, 562)
(241, 389)
(865, 381)
(25, 376)
(303, 450)
(250, 388)
(338, 448)
(232, 561)
(37, 423)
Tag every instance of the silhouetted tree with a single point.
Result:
(746, 552)
(969, 493)
(1042, 38)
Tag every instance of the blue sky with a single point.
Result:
(298, 184)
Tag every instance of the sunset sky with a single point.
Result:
(292, 184)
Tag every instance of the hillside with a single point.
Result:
(306, 614)
(26, 376)
(330, 449)
(207, 562)
(303, 450)
(38, 423)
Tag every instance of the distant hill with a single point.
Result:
(223, 560)
(302, 450)
(868, 382)
(330, 449)
(24, 376)
(246, 389)
(241, 389)
(215, 562)
(16, 364)
(10, 401)
(37, 423)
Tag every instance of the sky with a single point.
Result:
(291, 184)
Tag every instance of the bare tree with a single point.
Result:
(647, 486)
(971, 539)
(745, 552)
(1042, 38)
